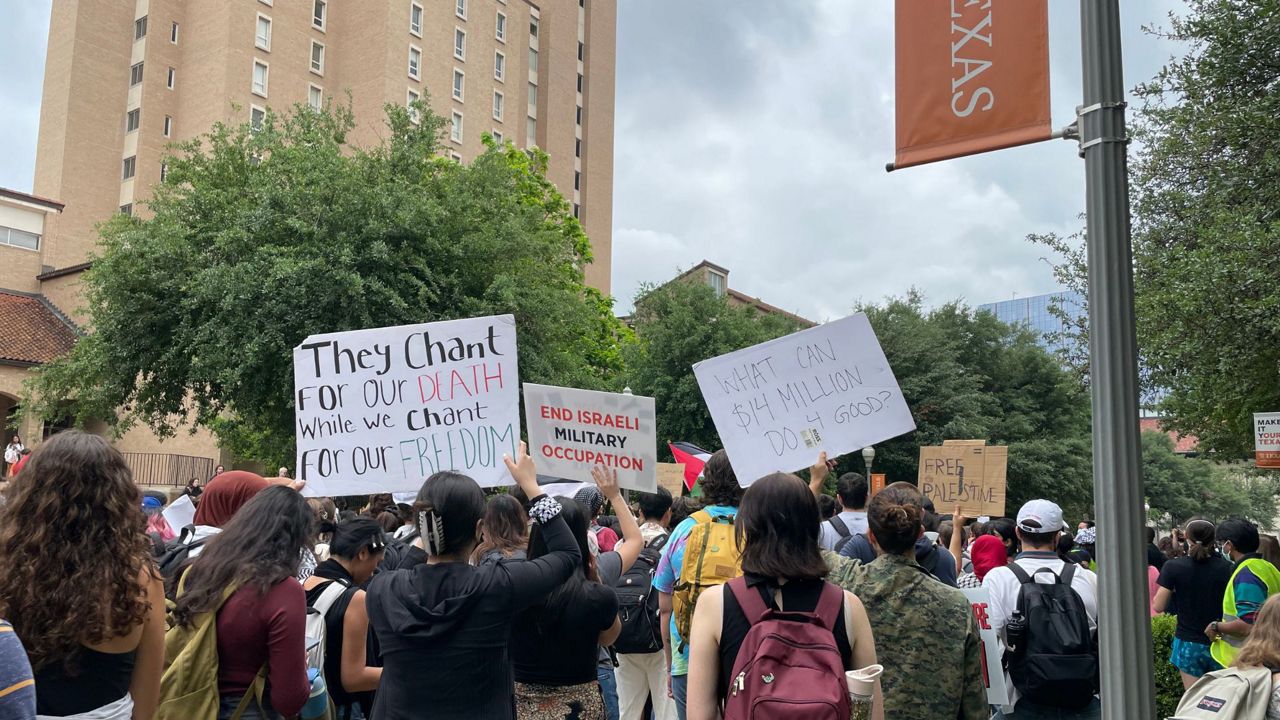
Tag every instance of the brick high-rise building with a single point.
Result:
(124, 78)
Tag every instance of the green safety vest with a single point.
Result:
(1226, 647)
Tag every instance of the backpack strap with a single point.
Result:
(1068, 573)
(255, 691)
(840, 526)
(1019, 573)
(749, 600)
(701, 517)
(659, 542)
(829, 604)
(332, 591)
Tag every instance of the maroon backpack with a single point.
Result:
(788, 665)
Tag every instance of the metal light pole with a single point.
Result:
(868, 455)
(1124, 630)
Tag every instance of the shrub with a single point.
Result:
(1168, 680)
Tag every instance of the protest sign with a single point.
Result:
(1266, 437)
(778, 404)
(671, 477)
(381, 410)
(969, 475)
(572, 431)
(991, 651)
(180, 513)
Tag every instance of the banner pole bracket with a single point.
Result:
(1073, 131)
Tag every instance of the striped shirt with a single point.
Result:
(17, 687)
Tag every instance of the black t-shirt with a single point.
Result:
(565, 652)
(1198, 588)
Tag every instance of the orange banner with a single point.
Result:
(877, 483)
(972, 76)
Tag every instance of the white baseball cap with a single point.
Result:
(1047, 516)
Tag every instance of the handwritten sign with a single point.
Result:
(381, 410)
(992, 671)
(671, 477)
(971, 476)
(778, 404)
(1266, 436)
(572, 431)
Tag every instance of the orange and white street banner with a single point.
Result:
(972, 76)
(1266, 435)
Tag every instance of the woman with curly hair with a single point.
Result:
(79, 585)
(263, 622)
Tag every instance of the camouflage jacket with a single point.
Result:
(926, 638)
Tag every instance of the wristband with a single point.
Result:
(544, 508)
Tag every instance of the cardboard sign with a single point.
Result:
(572, 431)
(778, 404)
(381, 410)
(971, 476)
(1266, 439)
(992, 672)
(671, 477)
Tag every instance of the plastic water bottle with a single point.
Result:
(862, 690)
(318, 702)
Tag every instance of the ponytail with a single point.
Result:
(1201, 537)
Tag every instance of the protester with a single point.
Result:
(827, 507)
(1253, 581)
(505, 530)
(935, 559)
(1155, 558)
(406, 522)
(193, 490)
(988, 553)
(326, 513)
(556, 644)
(1006, 530)
(444, 626)
(1269, 549)
(1196, 584)
(261, 624)
(17, 684)
(1038, 525)
(223, 497)
(710, 527)
(1086, 544)
(926, 635)
(389, 520)
(216, 472)
(79, 586)
(681, 508)
(602, 538)
(158, 529)
(1262, 649)
(356, 549)
(13, 453)
(851, 490)
(640, 675)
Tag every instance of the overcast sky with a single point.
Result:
(754, 133)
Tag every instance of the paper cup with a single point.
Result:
(862, 682)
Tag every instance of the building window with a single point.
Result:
(415, 19)
(126, 209)
(716, 281)
(577, 148)
(164, 171)
(460, 43)
(579, 119)
(581, 49)
(315, 97)
(533, 27)
(455, 157)
(530, 132)
(497, 136)
(577, 180)
(173, 33)
(455, 130)
(497, 105)
(579, 82)
(262, 38)
(135, 74)
(168, 126)
(461, 9)
(577, 210)
(582, 3)
(319, 13)
(415, 63)
(130, 167)
(171, 79)
(317, 58)
(500, 28)
(533, 99)
(259, 78)
(410, 101)
(459, 78)
(265, 2)
(140, 28)
(533, 60)
(499, 66)
(131, 120)
(19, 239)
(257, 118)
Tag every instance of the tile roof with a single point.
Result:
(31, 331)
(1182, 444)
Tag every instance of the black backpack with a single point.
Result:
(1052, 655)
(842, 530)
(177, 555)
(638, 603)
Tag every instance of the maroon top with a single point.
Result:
(253, 630)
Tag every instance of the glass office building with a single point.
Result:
(1035, 313)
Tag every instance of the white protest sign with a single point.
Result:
(381, 410)
(992, 670)
(778, 404)
(180, 513)
(571, 431)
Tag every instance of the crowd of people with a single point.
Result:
(515, 604)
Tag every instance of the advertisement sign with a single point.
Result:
(1266, 439)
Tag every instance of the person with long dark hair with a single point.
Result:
(777, 530)
(555, 647)
(1195, 584)
(505, 531)
(262, 623)
(79, 585)
(356, 548)
(443, 626)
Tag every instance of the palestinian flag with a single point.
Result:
(693, 458)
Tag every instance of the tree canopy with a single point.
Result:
(260, 237)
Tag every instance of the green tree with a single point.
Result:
(677, 325)
(1179, 488)
(259, 238)
(1206, 183)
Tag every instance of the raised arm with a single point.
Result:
(533, 579)
(957, 539)
(818, 474)
(632, 542)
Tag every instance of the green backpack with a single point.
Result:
(189, 685)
